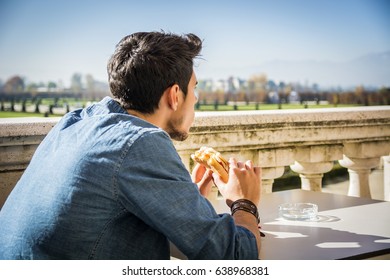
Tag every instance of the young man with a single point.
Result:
(107, 182)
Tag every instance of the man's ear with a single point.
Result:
(173, 96)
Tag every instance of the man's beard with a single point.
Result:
(174, 132)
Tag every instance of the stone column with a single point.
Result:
(359, 170)
(272, 162)
(312, 162)
(268, 176)
(386, 172)
(311, 174)
(360, 158)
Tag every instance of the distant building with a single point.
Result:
(294, 97)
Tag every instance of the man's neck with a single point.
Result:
(155, 118)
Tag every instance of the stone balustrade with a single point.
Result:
(307, 140)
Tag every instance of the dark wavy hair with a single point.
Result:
(145, 64)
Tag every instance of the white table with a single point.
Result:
(346, 228)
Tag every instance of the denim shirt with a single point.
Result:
(106, 185)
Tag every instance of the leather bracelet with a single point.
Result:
(247, 206)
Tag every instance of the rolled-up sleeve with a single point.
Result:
(154, 185)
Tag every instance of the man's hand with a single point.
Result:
(203, 178)
(244, 182)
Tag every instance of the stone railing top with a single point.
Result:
(30, 126)
(221, 118)
(288, 128)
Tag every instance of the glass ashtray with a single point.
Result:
(298, 211)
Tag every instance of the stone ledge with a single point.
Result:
(292, 116)
(287, 128)
(26, 126)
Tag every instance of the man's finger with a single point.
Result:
(249, 165)
(257, 170)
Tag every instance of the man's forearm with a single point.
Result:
(248, 221)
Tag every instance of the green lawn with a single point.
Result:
(208, 107)
(8, 114)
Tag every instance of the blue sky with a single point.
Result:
(45, 40)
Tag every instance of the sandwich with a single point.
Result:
(213, 160)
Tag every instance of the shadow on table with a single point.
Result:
(301, 242)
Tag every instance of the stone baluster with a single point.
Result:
(360, 159)
(269, 174)
(359, 170)
(312, 162)
(272, 162)
(386, 177)
(311, 174)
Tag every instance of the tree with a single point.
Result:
(51, 86)
(384, 95)
(360, 95)
(257, 88)
(32, 87)
(14, 84)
